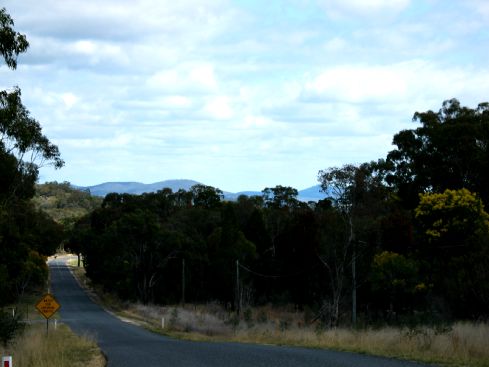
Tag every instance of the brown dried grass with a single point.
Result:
(462, 344)
(60, 348)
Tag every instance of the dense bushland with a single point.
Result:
(401, 240)
(27, 235)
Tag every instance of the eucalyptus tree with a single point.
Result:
(449, 150)
(23, 147)
(357, 194)
(24, 232)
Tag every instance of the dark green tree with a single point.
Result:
(394, 280)
(450, 150)
(358, 195)
(280, 197)
(24, 232)
(206, 196)
(12, 43)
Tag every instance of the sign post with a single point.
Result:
(47, 306)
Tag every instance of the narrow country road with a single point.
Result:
(126, 345)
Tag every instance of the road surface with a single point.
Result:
(127, 345)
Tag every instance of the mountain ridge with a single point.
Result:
(312, 193)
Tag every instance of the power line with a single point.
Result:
(276, 276)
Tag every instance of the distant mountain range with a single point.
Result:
(310, 194)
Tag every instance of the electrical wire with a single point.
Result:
(277, 276)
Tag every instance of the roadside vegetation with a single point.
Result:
(458, 344)
(451, 344)
(61, 348)
(23, 336)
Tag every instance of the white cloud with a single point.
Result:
(117, 141)
(335, 44)
(185, 77)
(393, 83)
(69, 99)
(251, 122)
(203, 75)
(84, 47)
(357, 84)
(348, 8)
(177, 101)
(480, 6)
(219, 107)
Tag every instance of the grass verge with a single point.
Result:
(460, 344)
(61, 348)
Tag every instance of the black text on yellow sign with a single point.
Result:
(48, 305)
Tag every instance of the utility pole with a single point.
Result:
(183, 282)
(354, 286)
(238, 291)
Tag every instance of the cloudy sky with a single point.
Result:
(239, 94)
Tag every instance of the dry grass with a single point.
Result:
(61, 348)
(465, 344)
(462, 344)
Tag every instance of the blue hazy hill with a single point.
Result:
(138, 188)
(312, 193)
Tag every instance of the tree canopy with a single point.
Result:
(450, 150)
(12, 43)
(26, 234)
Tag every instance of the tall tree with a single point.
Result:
(450, 150)
(20, 135)
(280, 197)
(454, 236)
(23, 149)
(357, 192)
(206, 196)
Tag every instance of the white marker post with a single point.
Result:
(7, 361)
(162, 322)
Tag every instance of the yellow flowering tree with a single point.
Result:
(454, 228)
(452, 216)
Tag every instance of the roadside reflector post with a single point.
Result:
(162, 322)
(7, 361)
(55, 324)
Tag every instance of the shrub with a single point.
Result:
(9, 326)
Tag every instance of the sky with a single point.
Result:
(239, 95)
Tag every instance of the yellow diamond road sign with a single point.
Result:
(48, 305)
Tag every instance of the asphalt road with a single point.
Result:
(128, 345)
